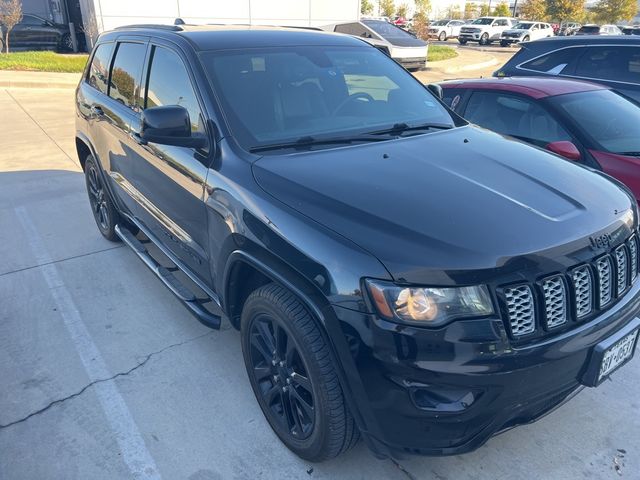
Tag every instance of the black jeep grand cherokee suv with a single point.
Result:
(394, 271)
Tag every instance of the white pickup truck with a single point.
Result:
(485, 30)
(445, 29)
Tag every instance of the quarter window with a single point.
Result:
(99, 69)
(515, 116)
(126, 72)
(554, 63)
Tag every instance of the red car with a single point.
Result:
(580, 121)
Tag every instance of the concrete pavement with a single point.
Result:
(104, 375)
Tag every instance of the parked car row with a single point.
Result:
(36, 33)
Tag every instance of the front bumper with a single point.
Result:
(510, 39)
(470, 36)
(411, 63)
(447, 391)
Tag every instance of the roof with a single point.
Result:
(535, 87)
(585, 39)
(221, 37)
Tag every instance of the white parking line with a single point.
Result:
(130, 441)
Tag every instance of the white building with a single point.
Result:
(109, 14)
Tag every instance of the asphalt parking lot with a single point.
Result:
(104, 375)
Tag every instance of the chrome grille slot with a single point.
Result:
(621, 269)
(521, 310)
(555, 301)
(605, 293)
(582, 288)
(633, 257)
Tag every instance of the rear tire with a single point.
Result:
(293, 376)
(462, 41)
(442, 37)
(104, 212)
(504, 44)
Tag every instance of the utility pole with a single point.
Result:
(515, 5)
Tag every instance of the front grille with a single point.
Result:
(633, 256)
(621, 269)
(521, 310)
(570, 298)
(605, 286)
(582, 290)
(555, 302)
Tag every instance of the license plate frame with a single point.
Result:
(594, 374)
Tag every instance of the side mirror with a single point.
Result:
(169, 125)
(436, 90)
(565, 149)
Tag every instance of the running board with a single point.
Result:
(186, 296)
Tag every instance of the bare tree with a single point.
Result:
(10, 16)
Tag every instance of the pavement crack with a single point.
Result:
(102, 380)
(407, 473)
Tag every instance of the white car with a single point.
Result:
(403, 47)
(444, 29)
(525, 32)
(484, 30)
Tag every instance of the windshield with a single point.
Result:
(523, 26)
(280, 94)
(440, 22)
(386, 30)
(611, 121)
(483, 21)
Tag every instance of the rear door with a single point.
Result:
(170, 180)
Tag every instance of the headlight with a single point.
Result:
(430, 305)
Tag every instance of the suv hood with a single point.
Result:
(462, 199)
(516, 30)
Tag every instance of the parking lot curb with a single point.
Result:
(38, 80)
(473, 66)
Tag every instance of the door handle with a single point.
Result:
(96, 111)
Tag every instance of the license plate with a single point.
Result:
(618, 354)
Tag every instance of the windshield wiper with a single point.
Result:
(399, 128)
(629, 154)
(309, 141)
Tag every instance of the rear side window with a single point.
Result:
(169, 84)
(554, 62)
(515, 116)
(99, 69)
(611, 63)
(126, 72)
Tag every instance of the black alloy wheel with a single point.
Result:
(66, 43)
(442, 37)
(104, 212)
(293, 375)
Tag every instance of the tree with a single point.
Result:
(565, 10)
(502, 10)
(612, 11)
(402, 10)
(534, 10)
(470, 10)
(387, 8)
(421, 19)
(485, 10)
(10, 16)
(366, 7)
(454, 12)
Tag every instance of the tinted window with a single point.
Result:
(169, 84)
(99, 70)
(515, 116)
(386, 30)
(126, 72)
(611, 63)
(482, 21)
(273, 95)
(452, 97)
(610, 120)
(501, 23)
(356, 29)
(589, 30)
(554, 62)
(523, 26)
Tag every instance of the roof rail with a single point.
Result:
(156, 26)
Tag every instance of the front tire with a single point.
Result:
(484, 39)
(526, 38)
(293, 376)
(104, 212)
(504, 44)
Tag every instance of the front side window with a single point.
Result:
(274, 95)
(609, 119)
(126, 72)
(523, 26)
(482, 21)
(169, 84)
(99, 69)
(515, 116)
(611, 63)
